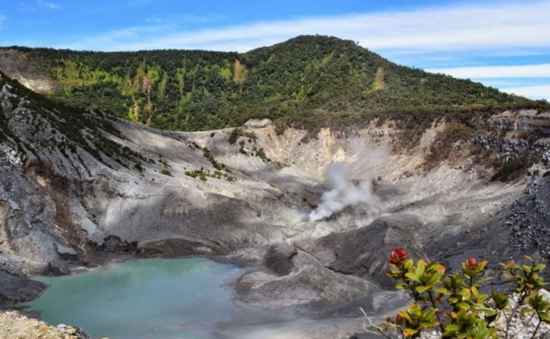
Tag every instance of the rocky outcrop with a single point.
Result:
(523, 121)
(279, 258)
(529, 219)
(16, 289)
(15, 325)
(312, 289)
(364, 252)
(16, 65)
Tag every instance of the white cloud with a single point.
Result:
(493, 72)
(103, 41)
(458, 27)
(48, 4)
(508, 78)
(186, 18)
(533, 92)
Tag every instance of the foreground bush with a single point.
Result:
(454, 304)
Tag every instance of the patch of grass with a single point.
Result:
(164, 168)
(511, 169)
(378, 83)
(203, 175)
(217, 165)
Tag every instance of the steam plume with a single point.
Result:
(350, 183)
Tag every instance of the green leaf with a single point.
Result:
(442, 291)
(412, 276)
(451, 330)
(420, 268)
(465, 293)
(463, 306)
(500, 299)
(405, 315)
(422, 288)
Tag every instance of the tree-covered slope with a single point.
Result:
(308, 80)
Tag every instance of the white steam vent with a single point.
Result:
(350, 182)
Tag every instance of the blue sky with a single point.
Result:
(502, 43)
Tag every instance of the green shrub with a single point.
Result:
(510, 169)
(164, 168)
(217, 165)
(203, 175)
(454, 302)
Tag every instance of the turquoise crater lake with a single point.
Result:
(150, 298)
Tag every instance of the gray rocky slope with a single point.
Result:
(81, 189)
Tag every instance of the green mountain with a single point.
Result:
(306, 81)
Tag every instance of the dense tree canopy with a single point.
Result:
(309, 80)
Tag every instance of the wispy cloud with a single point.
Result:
(102, 41)
(457, 27)
(532, 81)
(48, 4)
(187, 18)
(533, 92)
(491, 72)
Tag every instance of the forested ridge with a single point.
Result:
(306, 81)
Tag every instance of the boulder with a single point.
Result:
(278, 258)
(65, 252)
(114, 244)
(16, 289)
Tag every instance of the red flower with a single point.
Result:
(471, 263)
(398, 256)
